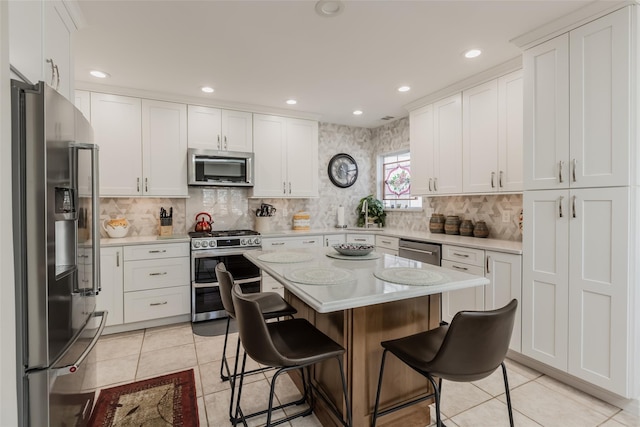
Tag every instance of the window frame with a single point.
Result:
(380, 182)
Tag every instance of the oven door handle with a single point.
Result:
(215, 284)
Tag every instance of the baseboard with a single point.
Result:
(127, 327)
(628, 405)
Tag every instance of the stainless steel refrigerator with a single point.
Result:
(57, 256)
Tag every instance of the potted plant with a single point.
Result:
(375, 211)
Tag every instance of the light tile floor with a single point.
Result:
(538, 400)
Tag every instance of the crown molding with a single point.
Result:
(566, 23)
(479, 78)
(193, 100)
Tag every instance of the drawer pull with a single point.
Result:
(386, 242)
(308, 242)
(158, 303)
(158, 251)
(158, 274)
(462, 255)
(277, 244)
(459, 268)
(359, 240)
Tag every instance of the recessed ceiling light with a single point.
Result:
(329, 8)
(472, 53)
(292, 101)
(357, 113)
(99, 74)
(404, 89)
(207, 89)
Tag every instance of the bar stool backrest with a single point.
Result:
(475, 345)
(225, 282)
(253, 331)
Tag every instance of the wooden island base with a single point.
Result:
(360, 331)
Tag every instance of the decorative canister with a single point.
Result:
(481, 229)
(301, 221)
(466, 228)
(452, 225)
(436, 223)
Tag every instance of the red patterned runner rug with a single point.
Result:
(169, 400)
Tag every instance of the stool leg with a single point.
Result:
(272, 392)
(239, 415)
(375, 408)
(345, 392)
(507, 393)
(436, 392)
(232, 377)
(223, 362)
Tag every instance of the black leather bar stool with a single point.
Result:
(285, 345)
(469, 349)
(271, 306)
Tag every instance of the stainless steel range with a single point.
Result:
(207, 250)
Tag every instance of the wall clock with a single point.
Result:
(343, 170)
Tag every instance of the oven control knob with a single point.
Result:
(244, 242)
(256, 241)
(212, 243)
(205, 244)
(196, 244)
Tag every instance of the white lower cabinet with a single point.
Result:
(576, 289)
(469, 261)
(504, 272)
(110, 297)
(334, 239)
(387, 245)
(296, 242)
(156, 281)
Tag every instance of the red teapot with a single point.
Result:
(202, 225)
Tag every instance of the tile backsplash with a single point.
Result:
(232, 207)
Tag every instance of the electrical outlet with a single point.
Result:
(506, 216)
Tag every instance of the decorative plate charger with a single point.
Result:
(409, 276)
(320, 276)
(285, 257)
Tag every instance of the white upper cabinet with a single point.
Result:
(117, 127)
(222, 130)
(164, 148)
(577, 107)
(492, 135)
(143, 146)
(40, 43)
(436, 147)
(286, 157)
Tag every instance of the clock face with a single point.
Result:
(343, 170)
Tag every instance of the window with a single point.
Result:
(395, 179)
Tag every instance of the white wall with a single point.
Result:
(8, 398)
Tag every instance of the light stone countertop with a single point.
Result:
(365, 289)
(143, 240)
(506, 246)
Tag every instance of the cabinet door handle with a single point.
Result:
(459, 268)
(138, 184)
(500, 180)
(326, 242)
(488, 260)
(118, 259)
(573, 172)
(462, 255)
(164, 273)
(435, 184)
(53, 70)
(158, 251)
(430, 180)
(55, 67)
(573, 206)
(158, 303)
(284, 187)
(225, 142)
(560, 166)
(218, 141)
(493, 176)
(146, 185)
(560, 207)
(289, 187)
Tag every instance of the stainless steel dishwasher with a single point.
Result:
(429, 253)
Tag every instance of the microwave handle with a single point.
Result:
(249, 170)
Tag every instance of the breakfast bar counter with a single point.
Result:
(359, 302)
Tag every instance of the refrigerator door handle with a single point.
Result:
(95, 229)
(73, 367)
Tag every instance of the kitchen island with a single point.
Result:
(360, 302)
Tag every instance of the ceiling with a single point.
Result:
(261, 53)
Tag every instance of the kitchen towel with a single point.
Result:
(340, 221)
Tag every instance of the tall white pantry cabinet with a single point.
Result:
(580, 240)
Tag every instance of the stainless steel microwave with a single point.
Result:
(220, 168)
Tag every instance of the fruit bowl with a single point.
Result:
(116, 228)
(353, 249)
